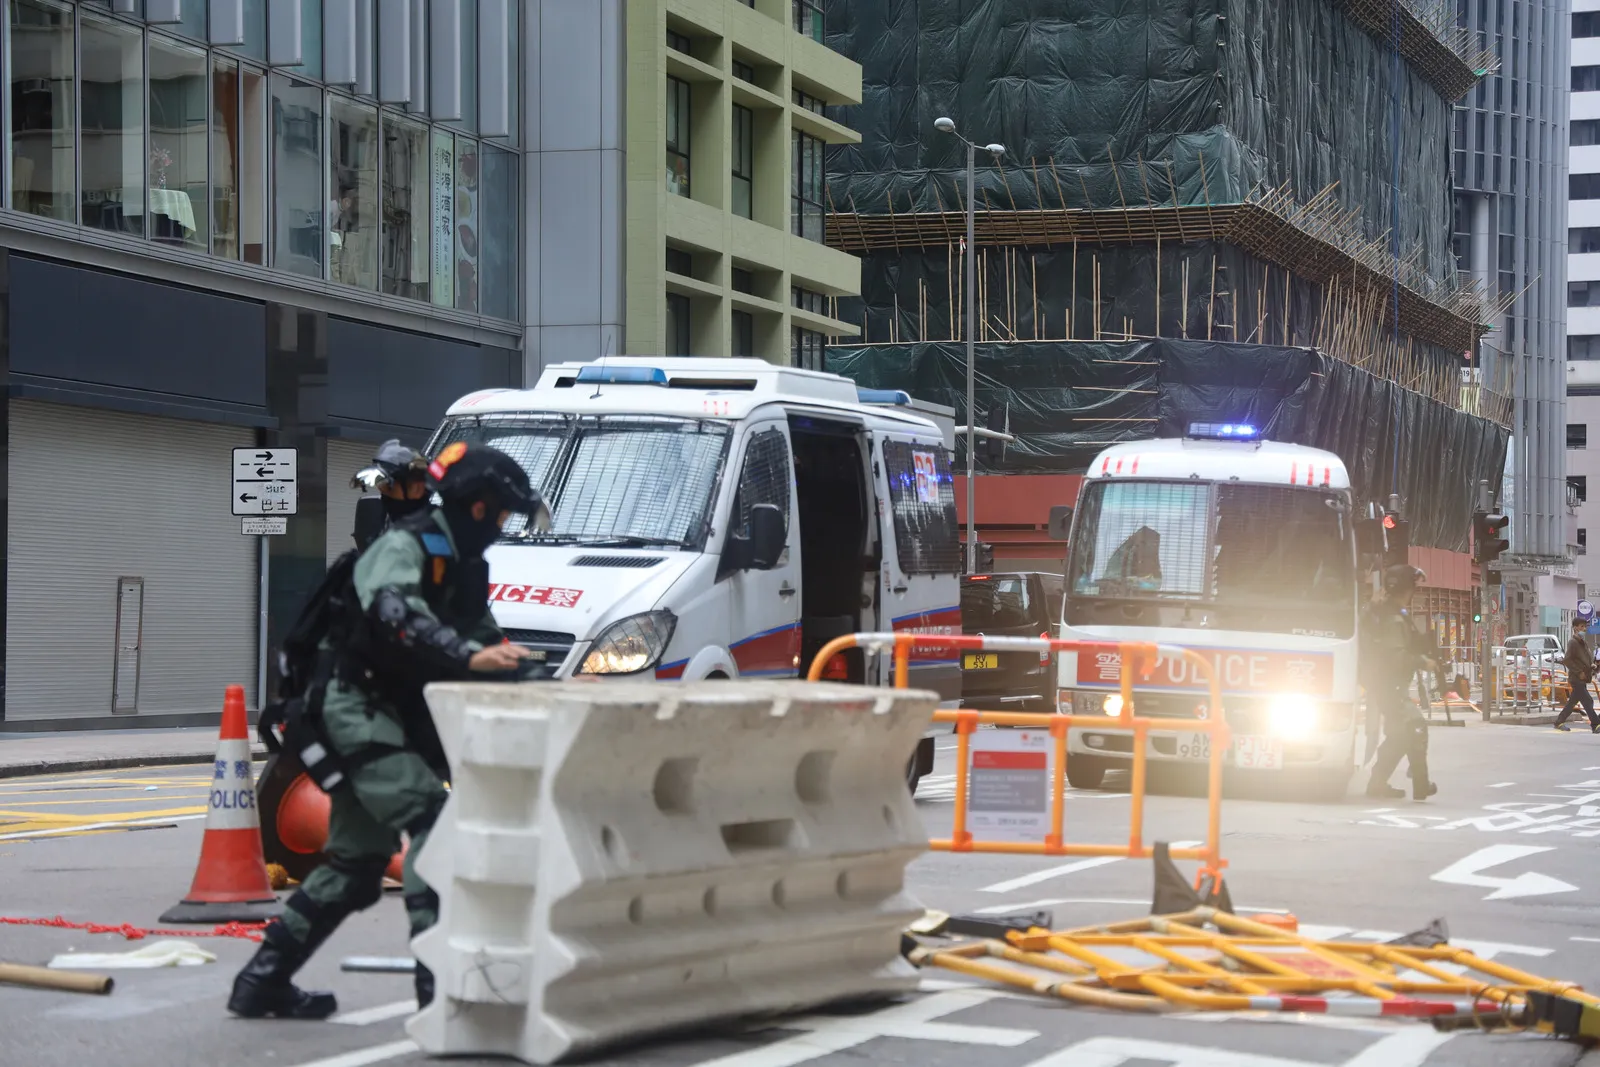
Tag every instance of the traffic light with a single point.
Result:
(985, 558)
(992, 450)
(1487, 544)
(1477, 617)
(1397, 540)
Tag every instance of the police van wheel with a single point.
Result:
(1084, 772)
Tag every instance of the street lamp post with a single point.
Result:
(945, 125)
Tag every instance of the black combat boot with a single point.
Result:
(424, 979)
(263, 987)
(1422, 790)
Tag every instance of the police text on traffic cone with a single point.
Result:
(230, 883)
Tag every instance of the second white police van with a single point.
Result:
(719, 518)
(1243, 550)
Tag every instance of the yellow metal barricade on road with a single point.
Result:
(1137, 658)
(1173, 963)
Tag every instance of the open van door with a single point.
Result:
(761, 558)
(919, 575)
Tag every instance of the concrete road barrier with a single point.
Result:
(622, 859)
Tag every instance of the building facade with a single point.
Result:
(1583, 289)
(1510, 174)
(312, 224)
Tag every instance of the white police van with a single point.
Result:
(1243, 550)
(720, 518)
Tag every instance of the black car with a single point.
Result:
(1019, 604)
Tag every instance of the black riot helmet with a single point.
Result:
(466, 474)
(399, 475)
(1400, 579)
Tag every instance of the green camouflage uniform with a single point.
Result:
(391, 787)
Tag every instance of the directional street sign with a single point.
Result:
(264, 481)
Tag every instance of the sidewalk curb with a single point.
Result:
(108, 763)
(1546, 719)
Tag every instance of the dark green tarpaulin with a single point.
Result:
(1068, 400)
(1140, 101)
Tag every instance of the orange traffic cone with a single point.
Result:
(231, 883)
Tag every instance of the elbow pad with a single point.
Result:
(437, 647)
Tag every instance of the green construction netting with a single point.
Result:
(1067, 400)
(1140, 101)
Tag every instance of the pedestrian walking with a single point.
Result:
(1392, 652)
(1580, 672)
(417, 611)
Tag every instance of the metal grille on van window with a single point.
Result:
(764, 479)
(615, 561)
(922, 497)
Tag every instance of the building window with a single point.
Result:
(407, 267)
(113, 127)
(1583, 294)
(1577, 435)
(806, 349)
(468, 228)
(744, 165)
(677, 137)
(1583, 348)
(1578, 487)
(680, 262)
(677, 324)
(808, 102)
(499, 233)
(238, 160)
(1584, 131)
(1586, 24)
(679, 42)
(744, 72)
(297, 203)
(353, 205)
(178, 166)
(806, 300)
(808, 18)
(1585, 79)
(744, 334)
(1583, 239)
(743, 281)
(805, 208)
(1583, 187)
(1583, 545)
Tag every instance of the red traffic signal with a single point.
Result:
(1487, 541)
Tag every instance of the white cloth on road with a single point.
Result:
(155, 954)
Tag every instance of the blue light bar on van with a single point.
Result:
(898, 397)
(621, 374)
(1224, 431)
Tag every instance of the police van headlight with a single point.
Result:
(1292, 715)
(630, 645)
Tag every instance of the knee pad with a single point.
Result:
(364, 881)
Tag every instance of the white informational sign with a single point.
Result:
(264, 481)
(1008, 786)
(927, 477)
(265, 527)
(1585, 610)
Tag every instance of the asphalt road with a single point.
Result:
(1358, 868)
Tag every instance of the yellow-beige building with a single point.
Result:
(725, 194)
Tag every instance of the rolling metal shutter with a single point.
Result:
(98, 498)
(344, 459)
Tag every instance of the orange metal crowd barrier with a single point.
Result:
(1137, 658)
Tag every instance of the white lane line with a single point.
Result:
(826, 1034)
(1115, 1051)
(1500, 785)
(1050, 902)
(1591, 940)
(124, 825)
(367, 1016)
(1048, 873)
(1410, 1047)
(363, 1056)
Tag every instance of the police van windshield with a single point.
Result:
(1251, 557)
(609, 480)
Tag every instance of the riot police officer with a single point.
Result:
(1392, 653)
(418, 612)
(399, 475)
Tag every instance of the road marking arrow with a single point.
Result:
(1528, 884)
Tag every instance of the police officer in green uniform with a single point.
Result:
(423, 616)
(399, 478)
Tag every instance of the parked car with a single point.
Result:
(1018, 604)
(1531, 667)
